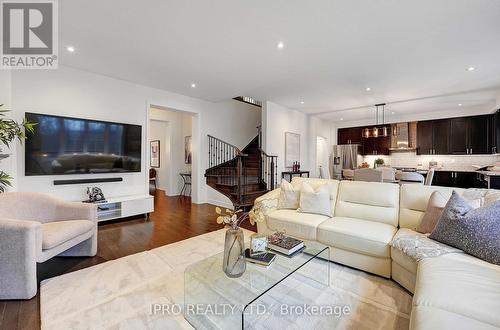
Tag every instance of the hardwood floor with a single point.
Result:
(174, 219)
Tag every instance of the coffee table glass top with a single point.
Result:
(212, 300)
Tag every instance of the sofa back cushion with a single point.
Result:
(414, 200)
(372, 201)
(315, 183)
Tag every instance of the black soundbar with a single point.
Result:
(81, 181)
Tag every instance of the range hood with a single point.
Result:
(403, 137)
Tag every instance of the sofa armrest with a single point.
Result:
(75, 211)
(262, 207)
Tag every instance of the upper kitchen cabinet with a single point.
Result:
(470, 135)
(433, 137)
(479, 133)
(351, 135)
(343, 136)
(458, 140)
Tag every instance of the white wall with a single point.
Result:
(70, 92)
(276, 120)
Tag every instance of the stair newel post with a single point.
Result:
(238, 176)
(272, 174)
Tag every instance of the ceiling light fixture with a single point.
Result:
(70, 49)
(375, 131)
(368, 89)
(280, 45)
(341, 119)
(301, 102)
(193, 85)
(460, 104)
(471, 68)
(393, 113)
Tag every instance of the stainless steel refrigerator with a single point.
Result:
(344, 156)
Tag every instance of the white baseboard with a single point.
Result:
(220, 204)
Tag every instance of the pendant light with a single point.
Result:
(377, 132)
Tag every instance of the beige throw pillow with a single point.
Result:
(435, 207)
(315, 201)
(289, 196)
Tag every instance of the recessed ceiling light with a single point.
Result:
(280, 45)
(193, 85)
(393, 112)
(368, 89)
(70, 49)
(471, 68)
(341, 118)
(460, 104)
(301, 102)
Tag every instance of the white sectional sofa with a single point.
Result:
(453, 291)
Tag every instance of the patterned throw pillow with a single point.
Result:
(474, 231)
(289, 196)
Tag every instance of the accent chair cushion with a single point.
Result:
(356, 235)
(289, 196)
(316, 201)
(296, 224)
(58, 232)
(474, 231)
(435, 207)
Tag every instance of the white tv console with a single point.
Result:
(124, 206)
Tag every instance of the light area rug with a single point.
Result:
(119, 294)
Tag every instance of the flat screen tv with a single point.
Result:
(62, 145)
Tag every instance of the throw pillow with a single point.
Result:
(289, 197)
(474, 231)
(435, 207)
(315, 201)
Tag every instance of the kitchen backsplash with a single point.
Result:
(456, 162)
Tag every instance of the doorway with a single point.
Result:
(171, 155)
(322, 158)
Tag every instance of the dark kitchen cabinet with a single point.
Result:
(424, 137)
(440, 136)
(433, 137)
(458, 140)
(376, 146)
(495, 133)
(351, 135)
(343, 136)
(442, 178)
(470, 135)
(478, 134)
(458, 179)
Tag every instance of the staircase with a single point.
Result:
(241, 175)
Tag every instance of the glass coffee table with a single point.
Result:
(214, 301)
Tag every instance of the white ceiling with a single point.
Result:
(402, 49)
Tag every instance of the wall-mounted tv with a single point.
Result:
(63, 145)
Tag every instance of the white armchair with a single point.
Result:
(35, 227)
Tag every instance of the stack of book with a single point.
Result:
(286, 245)
(263, 259)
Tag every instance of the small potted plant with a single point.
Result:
(379, 162)
(9, 131)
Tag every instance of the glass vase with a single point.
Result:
(233, 263)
